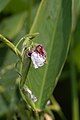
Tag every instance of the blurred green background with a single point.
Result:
(16, 18)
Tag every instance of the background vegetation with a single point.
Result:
(16, 19)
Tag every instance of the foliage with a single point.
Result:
(54, 24)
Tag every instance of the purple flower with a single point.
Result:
(38, 56)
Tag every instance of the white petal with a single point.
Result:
(37, 59)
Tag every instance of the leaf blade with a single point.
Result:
(53, 22)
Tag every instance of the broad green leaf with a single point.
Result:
(3, 4)
(11, 26)
(53, 22)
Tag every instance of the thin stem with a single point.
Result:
(22, 39)
(75, 101)
(11, 46)
(27, 37)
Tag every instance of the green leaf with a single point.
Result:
(53, 22)
(3, 4)
(11, 26)
(10, 45)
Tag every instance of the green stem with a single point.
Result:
(75, 101)
(11, 46)
(25, 65)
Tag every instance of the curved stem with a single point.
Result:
(11, 46)
(75, 101)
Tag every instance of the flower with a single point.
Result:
(38, 56)
(37, 59)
